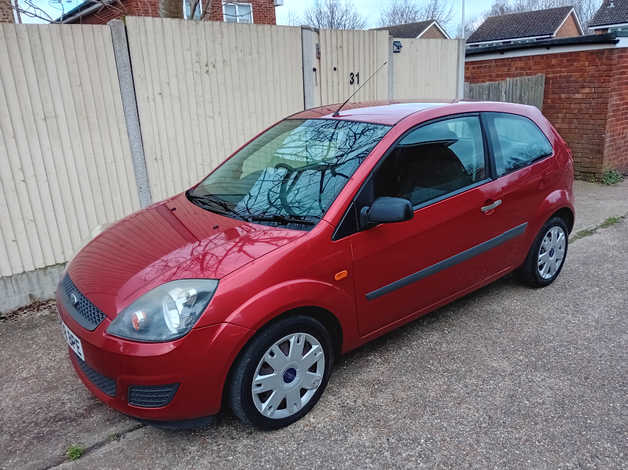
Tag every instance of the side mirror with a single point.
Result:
(386, 210)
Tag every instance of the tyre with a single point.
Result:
(547, 254)
(281, 373)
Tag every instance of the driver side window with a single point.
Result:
(434, 160)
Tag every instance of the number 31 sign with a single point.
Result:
(354, 78)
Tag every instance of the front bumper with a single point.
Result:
(193, 369)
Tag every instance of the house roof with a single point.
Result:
(83, 8)
(611, 12)
(528, 24)
(412, 30)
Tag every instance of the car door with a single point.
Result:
(524, 170)
(452, 244)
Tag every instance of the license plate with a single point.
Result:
(73, 341)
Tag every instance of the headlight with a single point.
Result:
(165, 313)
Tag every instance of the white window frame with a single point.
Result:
(237, 4)
(189, 15)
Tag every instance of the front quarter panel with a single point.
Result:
(300, 274)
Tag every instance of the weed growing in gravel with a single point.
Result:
(581, 234)
(74, 452)
(610, 221)
(611, 177)
(590, 231)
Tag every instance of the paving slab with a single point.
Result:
(597, 202)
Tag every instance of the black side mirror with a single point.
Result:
(386, 210)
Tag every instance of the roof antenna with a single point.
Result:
(359, 88)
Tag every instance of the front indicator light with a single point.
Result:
(165, 313)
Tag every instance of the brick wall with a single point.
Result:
(6, 12)
(568, 29)
(616, 144)
(263, 11)
(582, 99)
(433, 33)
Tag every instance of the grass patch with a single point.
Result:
(74, 452)
(610, 177)
(590, 231)
(610, 221)
(583, 233)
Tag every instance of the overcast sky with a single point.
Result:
(370, 9)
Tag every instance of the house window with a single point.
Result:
(192, 9)
(237, 12)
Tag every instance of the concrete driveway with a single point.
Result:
(505, 377)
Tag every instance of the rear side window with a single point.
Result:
(434, 160)
(516, 142)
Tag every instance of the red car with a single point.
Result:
(323, 232)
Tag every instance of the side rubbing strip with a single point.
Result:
(449, 262)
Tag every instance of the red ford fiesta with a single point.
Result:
(322, 233)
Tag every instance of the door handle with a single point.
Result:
(491, 206)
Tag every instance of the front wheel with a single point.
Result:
(281, 373)
(547, 254)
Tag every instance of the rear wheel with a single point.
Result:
(282, 372)
(547, 254)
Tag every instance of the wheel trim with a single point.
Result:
(288, 375)
(551, 252)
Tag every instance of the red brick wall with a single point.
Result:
(263, 11)
(433, 33)
(6, 12)
(568, 29)
(582, 100)
(616, 145)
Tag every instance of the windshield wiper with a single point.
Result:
(207, 199)
(280, 219)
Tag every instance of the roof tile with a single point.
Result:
(520, 25)
(608, 15)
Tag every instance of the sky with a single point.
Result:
(370, 9)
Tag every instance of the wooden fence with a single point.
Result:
(523, 90)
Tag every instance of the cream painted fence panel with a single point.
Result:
(347, 60)
(428, 69)
(204, 88)
(65, 163)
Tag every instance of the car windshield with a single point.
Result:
(291, 174)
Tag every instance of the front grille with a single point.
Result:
(80, 307)
(105, 384)
(151, 396)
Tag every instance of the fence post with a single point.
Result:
(311, 74)
(129, 104)
(462, 46)
(391, 69)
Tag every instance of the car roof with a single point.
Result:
(391, 112)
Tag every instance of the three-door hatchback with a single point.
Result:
(323, 232)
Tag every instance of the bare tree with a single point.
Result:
(34, 9)
(31, 9)
(411, 11)
(334, 14)
(400, 12)
(440, 10)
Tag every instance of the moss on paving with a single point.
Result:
(590, 231)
